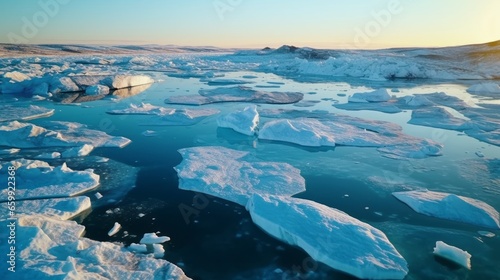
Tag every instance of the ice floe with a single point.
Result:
(21, 113)
(438, 117)
(329, 236)
(115, 229)
(78, 151)
(37, 179)
(48, 248)
(451, 207)
(453, 254)
(244, 121)
(379, 95)
(59, 208)
(484, 88)
(236, 94)
(57, 134)
(234, 176)
(318, 128)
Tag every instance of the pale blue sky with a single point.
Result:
(252, 23)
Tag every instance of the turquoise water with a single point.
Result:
(221, 242)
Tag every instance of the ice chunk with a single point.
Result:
(329, 236)
(59, 134)
(16, 76)
(182, 117)
(115, 229)
(438, 117)
(60, 208)
(451, 207)
(63, 84)
(305, 132)
(37, 179)
(482, 88)
(453, 254)
(416, 101)
(49, 248)
(379, 95)
(138, 248)
(142, 109)
(125, 81)
(245, 121)
(152, 238)
(149, 133)
(236, 94)
(97, 90)
(9, 151)
(234, 176)
(12, 113)
(98, 195)
(78, 151)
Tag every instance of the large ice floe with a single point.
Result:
(20, 113)
(329, 236)
(233, 175)
(37, 179)
(451, 207)
(60, 208)
(316, 129)
(56, 134)
(51, 248)
(236, 94)
(166, 116)
(244, 121)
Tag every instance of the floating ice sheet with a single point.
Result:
(20, 113)
(234, 176)
(244, 121)
(236, 94)
(59, 208)
(451, 207)
(329, 236)
(37, 179)
(50, 248)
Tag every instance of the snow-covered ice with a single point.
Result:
(484, 88)
(55, 134)
(438, 117)
(50, 248)
(37, 179)
(58, 208)
(329, 236)
(451, 207)
(379, 95)
(453, 254)
(236, 94)
(21, 113)
(244, 121)
(233, 175)
(81, 151)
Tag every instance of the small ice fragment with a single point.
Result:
(453, 254)
(116, 228)
(141, 215)
(278, 270)
(366, 208)
(98, 195)
(109, 211)
(152, 238)
(346, 195)
(138, 248)
(479, 154)
(149, 133)
(378, 214)
(486, 233)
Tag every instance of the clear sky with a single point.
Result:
(252, 23)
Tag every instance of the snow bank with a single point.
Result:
(232, 175)
(245, 121)
(58, 134)
(37, 179)
(379, 95)
(453, 254)
(329, 236)
(451, 207)
(18, 113)
(57, 208)
(50, 248)
(236, 94)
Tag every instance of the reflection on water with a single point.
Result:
(80, 97)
